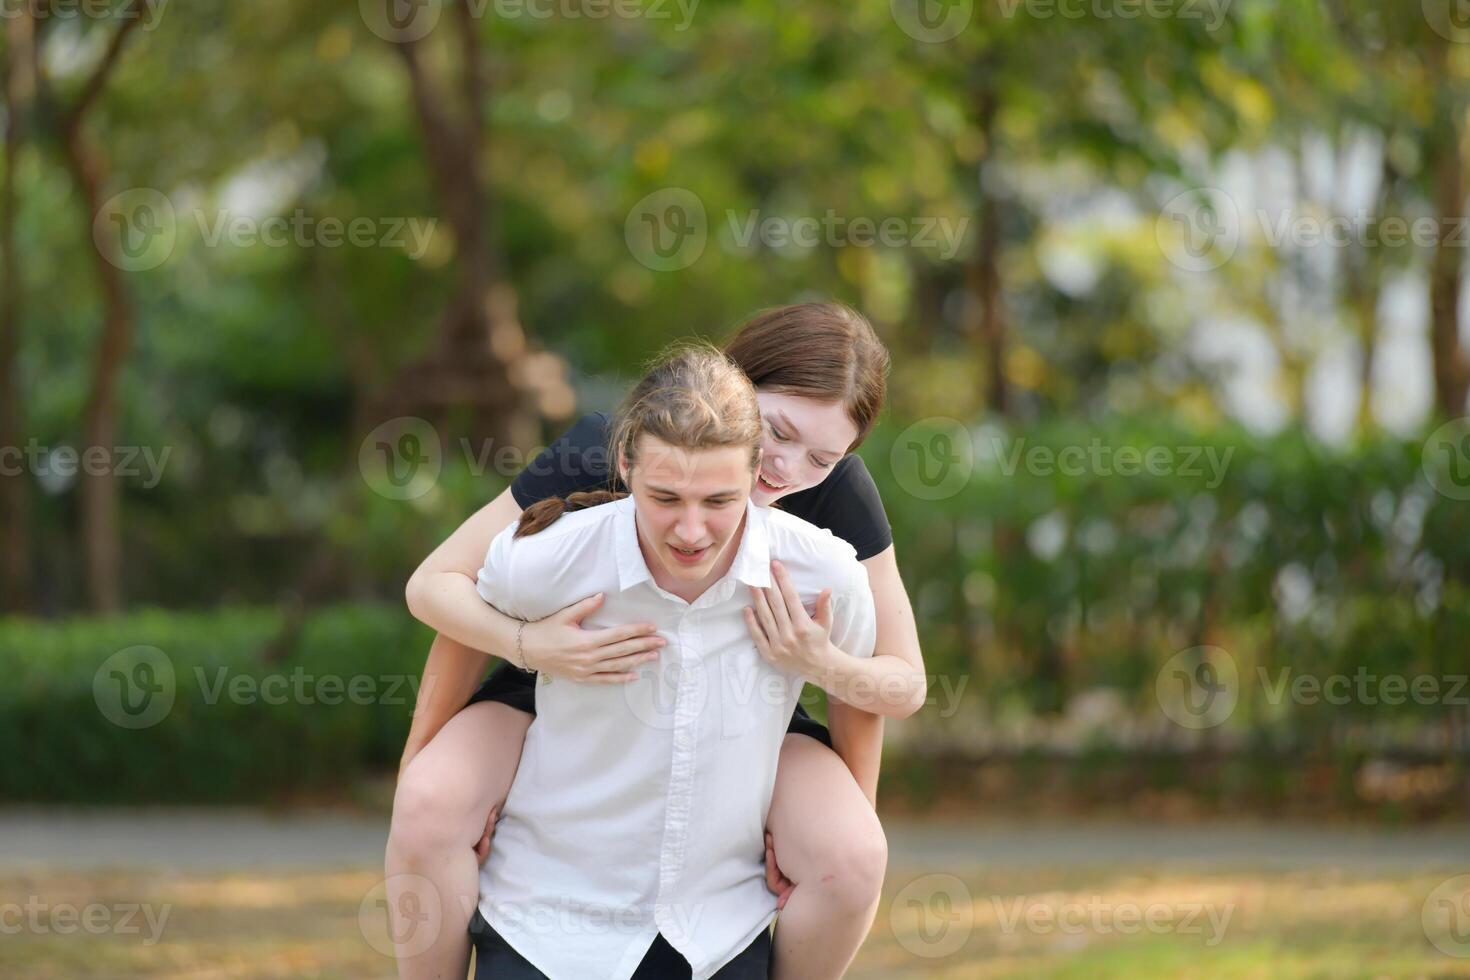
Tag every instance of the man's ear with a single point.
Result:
(623, 469)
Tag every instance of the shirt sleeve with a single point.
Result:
(854, 617)
(496, 580)
(576, 461)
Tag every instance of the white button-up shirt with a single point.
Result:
(640, 808)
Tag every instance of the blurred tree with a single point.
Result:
(15, 484)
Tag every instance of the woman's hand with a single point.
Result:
(776, 881)
(560, 647)
(783, 632)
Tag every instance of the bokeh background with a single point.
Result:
(1176, 453)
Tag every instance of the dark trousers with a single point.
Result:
(496, 960)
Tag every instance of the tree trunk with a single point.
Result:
(101, 530)
(1446, 271)
(985, 311)
(1446, 277)
(481, 359)
(16, 587)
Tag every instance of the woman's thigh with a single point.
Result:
(464, 770)
(819, 818)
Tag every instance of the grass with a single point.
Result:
(1073, 924)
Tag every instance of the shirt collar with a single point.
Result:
(752, 565)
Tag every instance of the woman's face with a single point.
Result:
(804, 439)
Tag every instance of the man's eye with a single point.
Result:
(666, 500)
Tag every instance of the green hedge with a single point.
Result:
(223, 739)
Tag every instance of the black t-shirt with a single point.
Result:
(846, 503)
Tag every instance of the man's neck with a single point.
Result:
(689, 591)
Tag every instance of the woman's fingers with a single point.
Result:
(757, 633)
(601, 656)
(617, 634)
(763, 613)
(790, 599)
(611, 678)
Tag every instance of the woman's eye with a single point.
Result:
(780, 436)
(824, 466)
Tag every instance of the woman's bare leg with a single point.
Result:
(443, 799)
(829, 843)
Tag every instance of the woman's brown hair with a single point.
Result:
(694, 397)
(825, 351)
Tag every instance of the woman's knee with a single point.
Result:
(847, 862)
(429, 815)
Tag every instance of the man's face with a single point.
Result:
(690, 503)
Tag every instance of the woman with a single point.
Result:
(819, 373)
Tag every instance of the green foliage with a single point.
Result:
(242, 727)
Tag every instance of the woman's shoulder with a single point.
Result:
(848, 504)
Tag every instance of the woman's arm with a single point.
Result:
(857, 735)
(454, 669)
(860, 691)
(891, 682)
(441, 593)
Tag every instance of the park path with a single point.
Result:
(216, 839)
